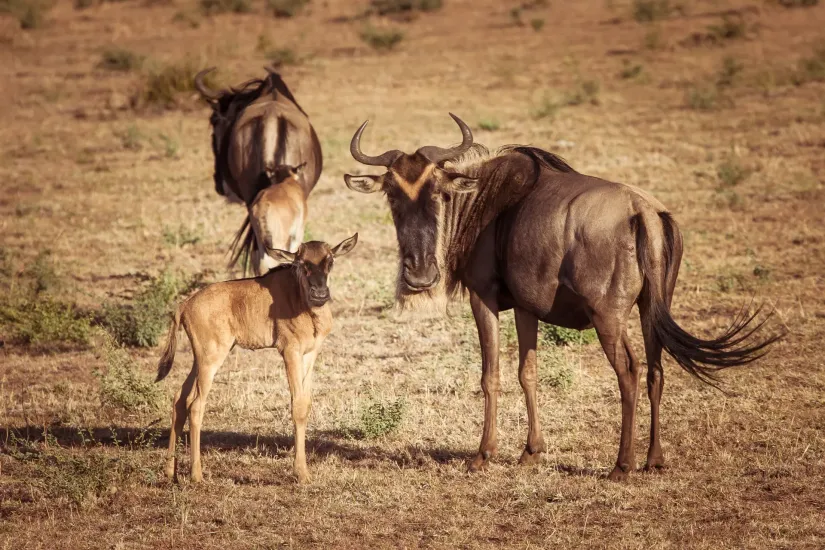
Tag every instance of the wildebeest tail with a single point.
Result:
(168, 357)
(243, 245)
(701, 358)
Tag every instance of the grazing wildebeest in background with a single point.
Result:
(285, 309)
(519, 228)
(260, 137)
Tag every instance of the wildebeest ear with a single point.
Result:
(298, 169)
(283, 256)
(454, 182)
(364, 184)
(345, 246)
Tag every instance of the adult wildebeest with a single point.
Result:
(519, 228)
(285, 309)
(260, 136)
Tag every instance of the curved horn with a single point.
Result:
(438, 154)
(381, 160)
(205, 91)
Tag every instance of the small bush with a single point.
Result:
(630, 70)
(142, 322)
(286, 8)
(186, 18)
(561, 336)
(556, 375)
(381, 39)
(214, 7)
(181, 236)
(546, 108)
(282, 56)
(131, 138)
(31, 14)
(120, 59)
(379, 418)
(45, 323)
(811, 69)
(645, 11)
(727, 283)
(729, 72)
(393, 7)
(83, 4)
(41, 273)
(537, 24)
(587, 91)
(653, 39)
(730, 28)
(761, 272)
(489, 124)
(731, 173)
(164, 83)
(702, 98)
(121, 385)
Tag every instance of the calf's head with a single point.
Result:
(416, 187)
(312, 264)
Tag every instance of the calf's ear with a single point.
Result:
(345, 246)
(283, 256)
(364, 184)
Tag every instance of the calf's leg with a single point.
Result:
(299, 371)
(179, 414)
(207, 367)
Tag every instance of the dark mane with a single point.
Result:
(505, 176)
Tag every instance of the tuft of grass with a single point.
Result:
(731, 28)
(120, 59)
(143, 321)
(797, 3)
(731, 173)
(554, 370)
(131, 138)
(171, 147)
(31, 14)
(286, 8)
(214, 7)
(394, 7)
(381, 39)
(653, 39)
(702, 98)
(282, 56)
(546, 108)
(630, 70)
(646, 11)
(180, 236)
(489, 124)
(729, 71)
(811, 69)
(537, 23)
(727, 283)
(187, 18)
(762, 272)
(561, 336)
(45, 323)
(163, 83)
(42, 274)
(586, 91)
(122, 386)
(378, 418)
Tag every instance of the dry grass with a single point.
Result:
(745, 468)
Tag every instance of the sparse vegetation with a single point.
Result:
(131, 138)
(797, 3)
(731, 173)
(586, 91)
(731, 28)
(394, 7)
(286, 8)
(120, 59)
(554, 372)
(164, 82)
(489, 124)
(122, 386)
(630, 70)
(762, 272)
(187, 18)
(381, 39)
(215, 7)
(537, 23)
(142, 322)
(31, 14)
(546, 108)
(180, 236)
(653, 39)
(646, 11)
(381, 417)
(561, 336)
(729, 72)
(811, 69)
(702, 97)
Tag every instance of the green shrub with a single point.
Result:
(546, 108)
(645, 11)
(729, 72)
(537, 24)
(730, 28)
(214, 7)
(131, 138)
(392, 7)
(702, 98)
(587, 91)
(164, 82)
(45, 323)
(286, 8)
(630, 70)
(489, 124)
(561, 336)
(381, 39)
(281, 56)
(120, 59)
(731, 173)
(41, 273)
(379, 418)
(180, 236)
(143, 321)
(122, 386)
(761, 272)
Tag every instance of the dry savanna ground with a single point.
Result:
(108, 215)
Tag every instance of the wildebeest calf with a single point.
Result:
(285, 309)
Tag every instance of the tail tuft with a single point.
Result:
(167, 360)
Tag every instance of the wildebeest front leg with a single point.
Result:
(299, 376)
(485, 311)
(527, 328)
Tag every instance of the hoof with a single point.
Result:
(196, 477)
(618, 473)
(655, 467)
(480, 462)
(303, 478)
(530, 459)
